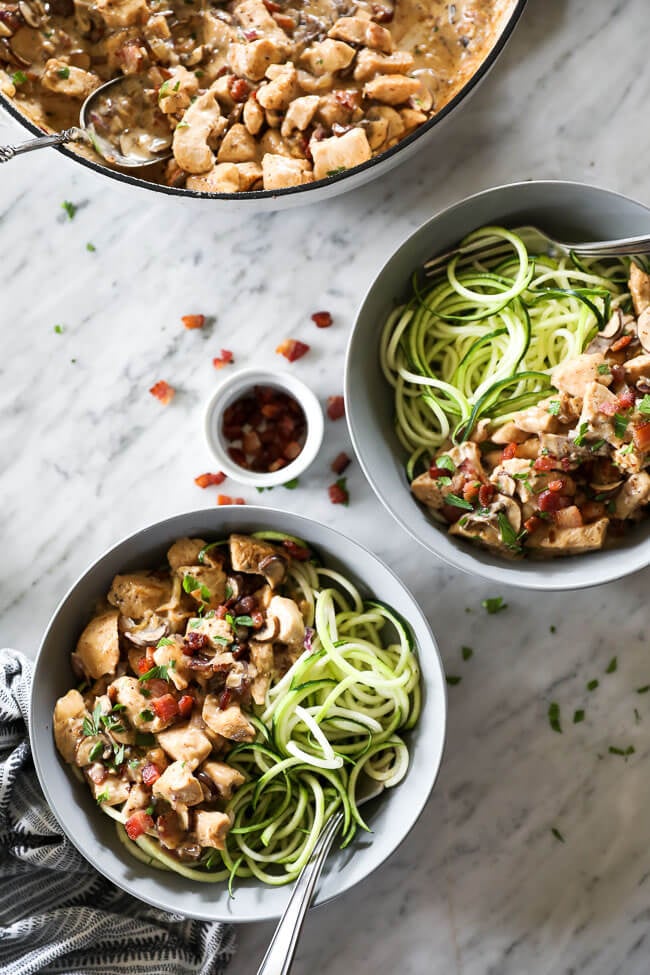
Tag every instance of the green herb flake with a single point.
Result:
(150, 810)
(581, 434)
(145, 739)
(243, 621)
(554, 717)
(643, 406)
(90, 248)
(191, 585)
(558, 836)
(578, 716)
(456, 502)
(637, 716)
(467, 653)
(64, 72)
(603, 369)
(508, 534)
(146, 715)
(443, 481)
(165, 642)
(612, 666)
(596, 445)
(292, 484)
(103, 797)
(446, 463)
(96, 751)
(19, 78)
(494, 604)
(552, 628)
(118, 755)
(553, 407)
(452, 679)
(613, 750)
(644, 689)
(59, 329)
(620, 424)
(160, 672)
(592, 685)
(69, 208)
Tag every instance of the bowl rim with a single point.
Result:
(294, 191)
(436, 668)
(456, 558)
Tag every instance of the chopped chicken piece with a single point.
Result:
(508, 433)
(252, 60)
(69, 713)
(254, 117)
(595, 422)
(139, 593)
(639, 288)
(178, 786)
(237, 145)
(637, 368)
(327, 56)
(98, 648)
(171, 655)
(137, 707)
(226, 778)
(112, 790)
(279, 172)
(254, 555)
(392, 89)
(202, 123)
(223, 178)
(229, 722)
(219, 632)
(339, 153)
(122, 13)
(573, 375)
(629, 461)
(369, 63)
(427, 491)
(185, 743)
(211, 828)
(299, 114)
(138, 798)
(206, 584)
(176, 93)
(280, 91)
(568, 541)
(185, 551)
(536, 419)
(262, 659)
(634, 494)
(360, 31)
(64, 79)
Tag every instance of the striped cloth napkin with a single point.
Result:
(57, 914)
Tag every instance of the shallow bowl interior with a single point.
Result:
(570, 211)
(391, 816)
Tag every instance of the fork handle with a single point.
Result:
(626, 246)
(74, 134)
(279, 957)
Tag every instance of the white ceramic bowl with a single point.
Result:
(569, 211)
(390, 816)
(237, 384)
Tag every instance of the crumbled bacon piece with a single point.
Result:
(485, 494)
(556, 486)
(185, 705)
(340, 463)
(641, 436)
(545, 463)
(163, 392)
(609, 407)
(194, 642)
(165, 707)
(193, 321)
(509, 451)
(223, 499)
(146, 662)
(150, 773)
(225, 359)
(471, 490)
(225, 698)
(621, 343)
(335, 407)
(532, 524)
(321, 319)
(298, 552)
(266, 429)
(338, 492)
(239, 89)
(138, 824)
(207, 480)
(626, 398)
(552, 501)
(292, 349)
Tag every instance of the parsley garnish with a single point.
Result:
(92, 725)
(228, 590)
(145, 739)
(452, 680)
(160, 671)
(190, 585)
(443, 481)
(150, 810)
(494, 604)
(96, 750)
(578, 716)
(90, 248)
(467, 652)
(554, 717)
(644, 689)
(292, 484)
(581, 434)
(146, 715)
(612, 665)
(457, 502)
(111, 723)
(552, 628)
(103, 797)
(508, 534)
(446, 462)
(622, 751)
(69, 208)
(165, 642)
(592, 685)
(118, 756)
(558, 836)
(620, 424)
(553, 407)
(643, 406)
(603, 369)
(596, 445)
(19, 77)
(59, 329)
(64, 72)
(243, 621)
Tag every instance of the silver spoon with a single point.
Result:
(279, 957)
(537, 240)
(130, 87)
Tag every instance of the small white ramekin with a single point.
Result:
(237, 384)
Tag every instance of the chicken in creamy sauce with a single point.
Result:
(570, 474)
(249, 94)
(172, 666)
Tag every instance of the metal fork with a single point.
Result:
(536, 240)
(279, 957)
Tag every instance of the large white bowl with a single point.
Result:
(570, 211)
(391, 816)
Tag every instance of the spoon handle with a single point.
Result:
(74, 134)
(279, 957)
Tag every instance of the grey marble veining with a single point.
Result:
(481, 886)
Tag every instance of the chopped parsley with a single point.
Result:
(553, 407)
(644, 689)
(165, 642)
(620, 424)
(578, 716)
(191, 585)
(64, 72)
(228, 590)
(160, 671)
(630, 750)
(292, 484)
(452, 679)
(558, 836)
(603, 369)
(508, 534)
(145, 739)
(637, 716)
(90, 248)
(59, 329)
(581, 434)
(111, 723)
(96, 751)
(146, 715)
(592, 685)
(91, 726)
(446, 462)
(612, 666)
(118, 755)
(236, 621)
(69, 208)
(443, 481)
(643, 406)
(596, 445)
(19, 77)
(467, 652)
(150, 810)
(335, 172)
(457, 502)
(103, 797)
(552, 628)
(554, 717)
(494, 604)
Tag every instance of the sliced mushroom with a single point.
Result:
(269, 631)
(30, 16)
(603, 339)
(147, 638)
(643, 328)
(274, 569)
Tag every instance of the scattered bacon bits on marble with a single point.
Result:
(193, 321)
(340, 463)
(321, 319)
(292, 349)
(225, 359)
(163, 392)
(338, 492)
(207, 480)
(335, 407)
(223, 499)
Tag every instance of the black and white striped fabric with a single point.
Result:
(57, 914)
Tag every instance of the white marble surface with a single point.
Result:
(481, 885)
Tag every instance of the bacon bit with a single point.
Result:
(150, 773)
(509, 451)
(185, 705)
(545, 463)
(193, 321)
(322, 319)
(485, 494)
(239, 89)
(338, 493)
(225, 698)
(165, 707)
(340, 463)
(556, 485)
(163, 392)
(435, 471)
(223, 499)
(207, 480)
(297, 552)
(471, 490)
(157, 687)
(626, 398)
(621, 343)
(292, 349)
(286, 22)
(146, 663)
(137, 824)
(609, 407)
(532, 524)
(552, 501)
(641, 436)
(348, 98)
(335, 407)
(194, 642)
(225, 359)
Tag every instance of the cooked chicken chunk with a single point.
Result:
(360, 31)
(392, 89)
(64, 79)
(98, 648)
(178, 786)
(137, 707)
(426, 490)
(326, 56)
(229, 722)
(226, 778)
(277, 95)
(237, 145)
(280, 172)
(69, 713)
(112, 791)
(138, 798)
(219, 632)
(223, 178)
(370, 63)
(637, 368)
(252, 60)
(639, 288)
(569, 541)
(536, 419)
(211, 828)
(262, 659)
(332, 156)
(573, 375)
(299, 114)
(175, 95)
(205, 584)
(201, 125)
(122, 13)
(254, 555)
(171, 655)
(185, 743)
(185, 551)
(599, 408)
(634, 494)
(139, 593)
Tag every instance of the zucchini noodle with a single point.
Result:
(480, 340)
(336, 714)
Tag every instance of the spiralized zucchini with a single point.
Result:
(334, 715)
(482, 338)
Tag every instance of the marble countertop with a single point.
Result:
(482, 885)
